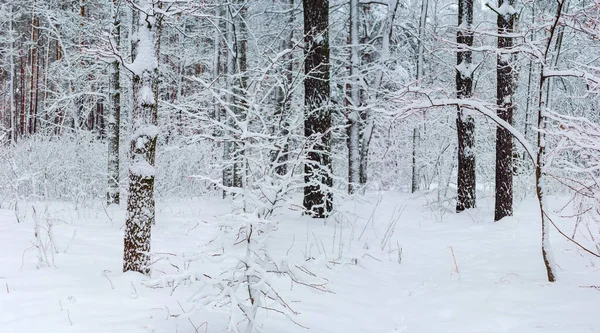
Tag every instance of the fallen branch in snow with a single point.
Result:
(592, 287)
(454, 257)
(111, 284)
(191, 322)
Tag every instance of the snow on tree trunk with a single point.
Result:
(140, 202)
(367, 118)
(228, 145)
(354, 103)
(540, 161)
(465, 125)
(114, 119)
(318, 199)
(420, 67)
(13, 110)
(280, 155)
(241, 45)
(505, 88)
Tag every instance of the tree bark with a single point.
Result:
(354, 119)
(465, 125)
(228, 145)
(420, 67)
(114, 120)
(13, 110)
(241, 45)
(505, 88)
(318, 198)
(280, 155)
(140, 202)
(541, 145)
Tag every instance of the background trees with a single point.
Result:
(254, 103)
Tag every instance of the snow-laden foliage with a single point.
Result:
(239, 272)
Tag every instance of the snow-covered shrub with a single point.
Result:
(241, 274)
(44, 238)
(73, 167)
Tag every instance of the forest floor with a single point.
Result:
(457, 273)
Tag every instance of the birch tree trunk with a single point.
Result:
(465, 125)
(114, 120)
(13, 110)
(354, 103)
(228, 145)
(140, 202)
(280, 156)
(505, 88)
(420, 66)
(318, 198)
(241, 44)
(368, 119)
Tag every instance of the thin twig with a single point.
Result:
(454, 257)
(571, 239)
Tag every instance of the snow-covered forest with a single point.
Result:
(379, 166)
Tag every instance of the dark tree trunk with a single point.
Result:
(465, 124)
(505, 88)
(318, 199)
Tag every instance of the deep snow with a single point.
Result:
(499, 287)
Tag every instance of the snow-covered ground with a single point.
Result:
(458, 272)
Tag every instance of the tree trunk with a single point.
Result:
(540, 161)
(368, 120)
(114, 120)
(280, 156)
(32, 70)
(318, 198)
(420, 66)
(13, 110)
(241, 44)
(228, 145)
(140, 202)
(465, 125)
(505, 88)
(354, 120)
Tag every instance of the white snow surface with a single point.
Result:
(500, 285)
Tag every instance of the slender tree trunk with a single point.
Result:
(114, 120)
(529, 83)
(540, 162)
(353, 115)
(241, 41)
(505, 88)
(37, 65)
(32, 70)
(280, 156)
(420, 68)
(217, 59)
(22, 92)
(318, 198)
(465, 124)
(367, 133)
(229, 146)
(13, 110)
(140, 202)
